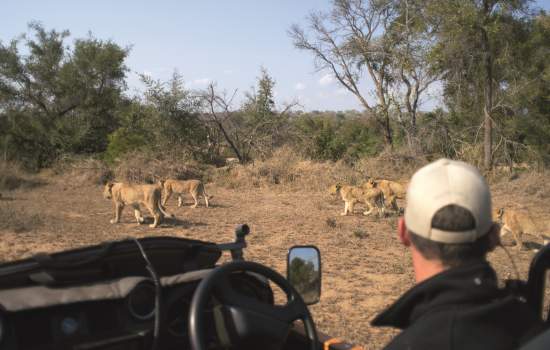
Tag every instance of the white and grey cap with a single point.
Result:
(445, 182)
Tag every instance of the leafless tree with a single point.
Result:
(410, 67)
(349, 41)
(218, 111)
(243, 135)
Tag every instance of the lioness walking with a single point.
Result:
(126, 194)
(372, 197)
(517, 222)
(179, 187)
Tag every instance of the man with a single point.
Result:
(456, 303)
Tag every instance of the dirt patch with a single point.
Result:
(365, 268)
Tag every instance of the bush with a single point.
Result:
(287, 169)
(335, 137)
(122, 142)
(147, 168)
(83, 170)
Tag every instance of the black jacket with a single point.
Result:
(460, 308)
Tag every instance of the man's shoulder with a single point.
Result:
(431, 331)
(501, 324)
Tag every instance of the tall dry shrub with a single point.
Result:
(146, 168)
(83, 170)
(391, 165)
(287, 170)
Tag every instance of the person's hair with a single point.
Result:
(453, 218)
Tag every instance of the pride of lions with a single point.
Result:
(376, 194)
(153, 197)
(382, 194)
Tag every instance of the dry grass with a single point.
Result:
(535, 184)
(18, 219)
(286, 170)
(79, 171)
(143, 168)
(12, 177)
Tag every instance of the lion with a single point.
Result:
(517, 222)
(372, 197)
(194, 187)
(124, 194)
(396, 188)
(390, 197)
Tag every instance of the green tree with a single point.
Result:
(472, 39)
(55, 99)
(265, 127)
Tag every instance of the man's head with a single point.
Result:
(448, 215)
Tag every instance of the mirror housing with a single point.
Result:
(303, 271)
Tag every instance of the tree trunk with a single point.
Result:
(487, 109)
(387, 130)
(488, 92)
(230, 142)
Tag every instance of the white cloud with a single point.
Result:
(201, 82)
(326, 79)
(300, 86)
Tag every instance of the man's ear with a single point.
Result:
(494, 236)
(402, 232)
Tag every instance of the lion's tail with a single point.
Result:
(164, 211)
(207, 197)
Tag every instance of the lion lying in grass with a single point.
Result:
(179, 187)
(372, 197)
(124, 194)
(517, 222)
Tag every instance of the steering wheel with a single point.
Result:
(251, 318)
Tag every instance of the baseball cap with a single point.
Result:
(445, 182)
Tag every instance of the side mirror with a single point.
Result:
(304, 272)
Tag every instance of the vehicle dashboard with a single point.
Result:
(118, 314)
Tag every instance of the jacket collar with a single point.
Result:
(471, 283)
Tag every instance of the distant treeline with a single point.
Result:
(492, 63)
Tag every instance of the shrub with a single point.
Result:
(359, 233)
(83, 170)
(122, 142)
(147, 168)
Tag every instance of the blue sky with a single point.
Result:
(205, 40)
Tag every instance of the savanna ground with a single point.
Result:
(364, 266)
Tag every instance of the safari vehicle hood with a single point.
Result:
(110, 260)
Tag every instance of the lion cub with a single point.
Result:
(389, 189)
(127, 194)
(194, 187)
(395, 187)
(372, 197)
(517, 222)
